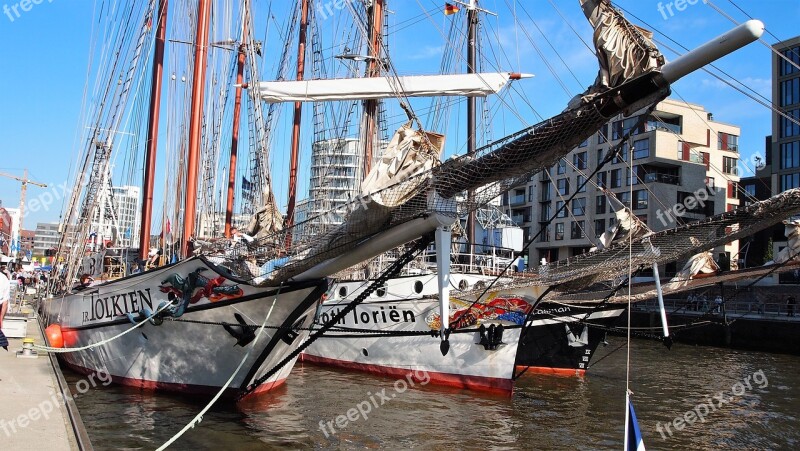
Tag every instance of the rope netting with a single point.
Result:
(659, 248)
(494, 169)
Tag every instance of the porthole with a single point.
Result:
(381, 292)
(342, 292)
(418, 287)
(365, 352)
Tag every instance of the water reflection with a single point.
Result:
(546, 412)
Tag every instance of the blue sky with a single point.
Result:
(44, 55)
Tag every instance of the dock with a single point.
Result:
(33, 413)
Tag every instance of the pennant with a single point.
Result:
(633, 436)
(450, 9)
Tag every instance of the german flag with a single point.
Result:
(450, 9)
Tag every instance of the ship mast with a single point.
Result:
(237, 109)
(152, 129)
(472, 28)
(301, 57)
(373, 70)
(196, 123)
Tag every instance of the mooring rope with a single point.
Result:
(102, 342)
(199, 417)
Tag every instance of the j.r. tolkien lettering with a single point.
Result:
(116, 304)
(383, 316)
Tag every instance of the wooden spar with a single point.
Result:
(373, 70)
(298, 110)
(237, 109)
(472, 27)
(152, 130)
(195, 123)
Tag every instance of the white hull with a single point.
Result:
(183, 355)
(400, 308)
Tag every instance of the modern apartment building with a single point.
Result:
(46, 237)
(783, 163)
(117, 218)
(678, 166)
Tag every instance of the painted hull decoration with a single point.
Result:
(209, 335)
(559, 341)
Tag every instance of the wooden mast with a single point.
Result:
(237, 109)
(152, 129)
(373, 70)
(472, 27)
(301, 57)
(195, 123)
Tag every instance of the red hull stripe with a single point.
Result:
(548, 370)
(478, 383)
(187, 389)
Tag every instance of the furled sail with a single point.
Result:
(702, 263)
(792, 250)
(470, 85)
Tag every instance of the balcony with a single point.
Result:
(518, 199)
(519, 219)
(655, 177)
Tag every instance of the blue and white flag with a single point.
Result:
(633, 436)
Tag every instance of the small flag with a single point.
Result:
(633, 436)
(450, 9)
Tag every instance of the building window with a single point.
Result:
(620, 128)
(641, 149)
(790, 155)
(561, 210)
(616, 178)
(602, 179)
(790, 92)
(711, 185)
(599, 226)
(695, 205)
(544, 234)
(576, 231)
(640, 198)
(579, 206)
(600, 156)
(546, 191)
(563, 186)
(580, 160)
(546, 212)
(750, 190)
(727, 142)
(561, 168)
(580, 184)
(790, 125)
(584, 143)
(732, 187)
(600, 205)
(729, 166)
(793, 55)
(559, 231)
(789, 181)
(621, 156)
(602, 135)
(625, 198)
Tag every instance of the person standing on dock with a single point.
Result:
(790, 304)
(5, 297)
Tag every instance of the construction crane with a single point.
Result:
(24, 180)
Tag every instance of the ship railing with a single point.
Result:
(701, 307)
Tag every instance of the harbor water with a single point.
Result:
(685, 398)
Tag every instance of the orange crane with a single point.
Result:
(24, 180)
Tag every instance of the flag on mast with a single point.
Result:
(633, 436)
(449, 9)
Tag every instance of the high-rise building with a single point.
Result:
(678, 166)
(783, 162)
(117, 218)
(46, 237)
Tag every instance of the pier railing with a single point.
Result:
(769, 310)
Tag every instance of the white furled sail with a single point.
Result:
(792, 250)
(702, 263)
(470, 85)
